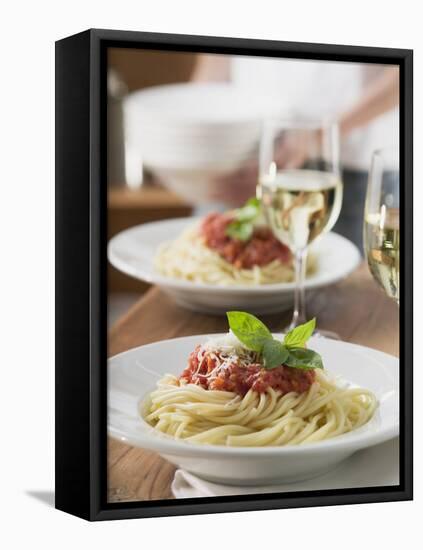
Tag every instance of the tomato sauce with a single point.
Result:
(239, 378)
(260, 250)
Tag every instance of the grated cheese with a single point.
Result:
(225, 351)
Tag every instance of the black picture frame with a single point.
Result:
(81, 281)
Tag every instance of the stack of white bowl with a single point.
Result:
(190, 135)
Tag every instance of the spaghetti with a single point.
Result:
(226, 397)
(189, 258)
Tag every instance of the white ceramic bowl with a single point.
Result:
(133, 251)
(129, 384)
(182, 129)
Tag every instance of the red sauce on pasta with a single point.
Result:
(260, 250)
(201, 370)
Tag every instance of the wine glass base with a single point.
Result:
(326, 334)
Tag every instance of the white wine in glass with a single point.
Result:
(301, 204)
(301, 189)
(382, 222)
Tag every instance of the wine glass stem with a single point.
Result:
(299, 315)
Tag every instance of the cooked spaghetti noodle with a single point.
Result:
(189, 258)
(200, 414)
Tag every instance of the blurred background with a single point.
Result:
(136, 197)
(184, 129)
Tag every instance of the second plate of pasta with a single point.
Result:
(169, 254)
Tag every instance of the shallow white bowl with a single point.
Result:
(132, 252)
(129, 384)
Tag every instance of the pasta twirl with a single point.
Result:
(190, 412)
(189, 258)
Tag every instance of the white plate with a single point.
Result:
(133, 374)
(133, 251)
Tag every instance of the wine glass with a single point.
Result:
(381, 221)
(301, 190)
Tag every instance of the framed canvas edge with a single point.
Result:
(73, 487)
(96, 507)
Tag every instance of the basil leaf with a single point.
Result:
(274, 354)
(242, 227)
(249, 330)
(240, 231)
(246, 214)
(301, 358)
(257, 337)
(249, 211)
(253, 201)
(297, 337)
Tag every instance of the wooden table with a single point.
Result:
(355, 308)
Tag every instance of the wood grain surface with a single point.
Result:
(355, 308)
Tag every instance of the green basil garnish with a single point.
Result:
(255, 336)
(242, 226)
(249, 330)
(275, 354)
(298, 336)
(301, 358)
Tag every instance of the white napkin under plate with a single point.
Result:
(373, 467)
